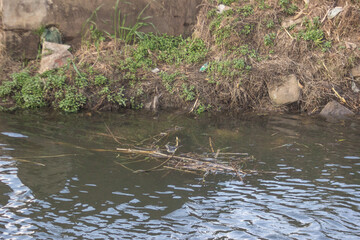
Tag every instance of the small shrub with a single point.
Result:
(26, 90)
(288, 7)
(269, 39)
(314, 34)
(246, 10)
(270, 24)
(72, 101)
(188, 92)
(100, 80)
(119, 97)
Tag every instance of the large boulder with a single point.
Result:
(335, 110)
(286, 91)
(54, 55)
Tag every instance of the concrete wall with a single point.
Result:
(20, 19)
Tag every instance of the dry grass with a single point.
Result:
(317, 71)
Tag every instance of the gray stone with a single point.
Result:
(54, 55)
(285, 92)
(335, 110)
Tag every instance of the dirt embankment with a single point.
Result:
(248, 46)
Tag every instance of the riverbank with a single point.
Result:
(244, 51)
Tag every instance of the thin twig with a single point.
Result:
(211, 146)
(125, 166)
(112, 135)
(27, 161)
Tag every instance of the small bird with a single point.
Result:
(172, 149)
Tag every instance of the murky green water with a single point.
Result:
(54, 185)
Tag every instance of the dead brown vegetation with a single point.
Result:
(318, 71)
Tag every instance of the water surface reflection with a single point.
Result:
(54, 183)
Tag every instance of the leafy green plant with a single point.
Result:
(288, 7)
(246, 10)
(72, 100)
(270, 24)
(54, 79)
(32, 94)
(227, 68)
(168, 80)
(100, 80)
(269, 39)
(211, 13)
(135, 105)
(188, 92)
(314, 34)
(26, 90)
(168, 49)
(246, 29)
(202, 108)
(118, 97)
(262, 4)
(81, 82)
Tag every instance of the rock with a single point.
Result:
(155, 70)
(335, 110)
(288, 91)
(54, 55)
(222, 8)
(290, 22)
(354, 88)
(356, 71)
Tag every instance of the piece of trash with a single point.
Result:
(155, 70)
(354, 87)
(51, 34)
(204, 67)
(222, 8)
(334, 12)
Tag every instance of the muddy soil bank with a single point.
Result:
(278, 56)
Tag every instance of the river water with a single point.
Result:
(60, 178)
